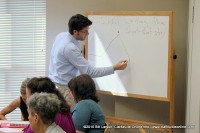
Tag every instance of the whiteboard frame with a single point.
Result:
(170, 78)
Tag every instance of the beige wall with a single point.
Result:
(58, 13)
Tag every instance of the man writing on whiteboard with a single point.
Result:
(67, 61)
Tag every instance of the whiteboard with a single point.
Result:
(144, 40)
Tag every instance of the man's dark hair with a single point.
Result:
(78, 22)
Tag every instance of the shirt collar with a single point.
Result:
(52, 126)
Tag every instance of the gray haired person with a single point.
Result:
(42, 109)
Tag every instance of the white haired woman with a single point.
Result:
(42, 109)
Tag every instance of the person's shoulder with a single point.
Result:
(58, 129)
(53, 128)
(71, 48)
(62, 34)
(16, 102)
(62, 114)
(70, 45)
(62, 37)
(87, 103)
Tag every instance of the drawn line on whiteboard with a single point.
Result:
(109, 44)
(125, 50)
(123, 42)
(112, 41)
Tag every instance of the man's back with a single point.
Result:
(60, 68)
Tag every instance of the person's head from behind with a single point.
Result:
(78, 26)
(83, 87)
(42, 109)
(44, 84)
(23, 89)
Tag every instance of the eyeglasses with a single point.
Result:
(84, 31)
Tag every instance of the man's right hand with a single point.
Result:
(121, 65)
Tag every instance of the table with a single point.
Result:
(12, 126)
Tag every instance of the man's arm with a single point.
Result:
(76, 58)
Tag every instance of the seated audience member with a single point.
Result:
(64, 117)
(86, 111)
(19, 102)
(42, 109)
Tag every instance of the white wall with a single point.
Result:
(193, 86)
